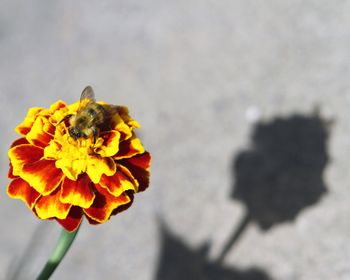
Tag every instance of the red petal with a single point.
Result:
(117, 184)
(42, 175)
(79, 192)
(104, 204)
(50, 206)
(10, 172)
(19, 141)
(91, 221)
(130, 148)
(38, 135)
(125, 206)
(20, 189)
(73, 219)
(110, 144)
(139, 168)
(141, 161)
(23, 154)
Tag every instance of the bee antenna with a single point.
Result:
(65, 118)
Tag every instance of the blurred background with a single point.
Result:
(244, 106)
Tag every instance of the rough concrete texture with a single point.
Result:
(217, 87)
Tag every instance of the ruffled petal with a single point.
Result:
(50, 206)
(10, 172)
(91, 221)
(41, 132)
(121, 126)
(26, 125)
(73, 108)
(124, 114)
(129, 148)
(54, 109)
(23, 154)
(20, 189)
(71, 168)
(117, 184)
(124, 207)
(79, 192)
(139, 168)
(73, 219)
(57, 106)
(110, 144)
(42, 175)
(96, 166)
(58, 115)
(128, 174)
(20, 141)
(104, 204)
(51, 150)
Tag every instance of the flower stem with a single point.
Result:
(65, 241)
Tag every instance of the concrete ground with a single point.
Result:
(244, 106)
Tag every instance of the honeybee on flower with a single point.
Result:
(78, 160)
(91, 116)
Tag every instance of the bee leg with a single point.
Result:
(65, 118)
(95, 133)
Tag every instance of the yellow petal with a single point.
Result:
(26, 125)
(39, 135)
(121, 126)
(130, 148)
(110, 144)
(71, 168)
(79, 192)
(96, 166)
(50, 206)
(104, 204)
(118, 183)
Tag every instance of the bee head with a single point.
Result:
(75, 133)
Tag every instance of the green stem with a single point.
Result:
(62, 247)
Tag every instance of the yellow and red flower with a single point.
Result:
(65, 179)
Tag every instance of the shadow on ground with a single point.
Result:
(281, 173)
(276, 179)
(178, 261)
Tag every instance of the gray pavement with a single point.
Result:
(201, 77)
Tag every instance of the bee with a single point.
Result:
(91, 117)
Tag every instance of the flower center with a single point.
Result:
(78, 149)
(71, 156)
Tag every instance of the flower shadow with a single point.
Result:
(178, 261)
(281, 173)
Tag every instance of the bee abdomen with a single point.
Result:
(96, 114)
(92, 112)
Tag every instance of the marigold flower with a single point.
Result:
(65, 179)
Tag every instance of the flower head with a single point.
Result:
(65, 178)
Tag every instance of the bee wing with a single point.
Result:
(87, 97)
